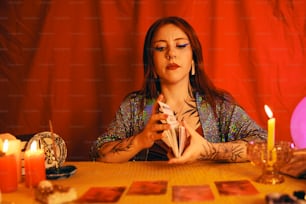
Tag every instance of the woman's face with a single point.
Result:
(172, 55)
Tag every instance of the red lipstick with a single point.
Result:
(172, 66)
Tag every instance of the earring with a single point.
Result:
(155, 75)
(192, 68)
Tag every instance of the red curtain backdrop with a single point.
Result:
(73, 61)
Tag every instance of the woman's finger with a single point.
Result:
(178, 160)
(156, 105)
(188, 128)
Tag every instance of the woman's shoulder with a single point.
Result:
(223, 104)
(220, 100)
(135, 97)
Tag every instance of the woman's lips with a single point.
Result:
(172, 66)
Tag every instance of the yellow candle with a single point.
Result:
(271, 128)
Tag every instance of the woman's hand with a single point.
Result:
(154, 128)
(194, 150)
(201, 149)
(297, 165)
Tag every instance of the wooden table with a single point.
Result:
(96, 174)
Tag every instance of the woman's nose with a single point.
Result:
(170, 53)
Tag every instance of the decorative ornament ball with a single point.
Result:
(298, 124)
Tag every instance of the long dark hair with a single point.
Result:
(199, 81)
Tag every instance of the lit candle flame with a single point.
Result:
(33, 147)
(268, 111)
(5, 146)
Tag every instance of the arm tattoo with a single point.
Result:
(230, 152)
(122, 145)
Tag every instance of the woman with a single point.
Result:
(173, 70)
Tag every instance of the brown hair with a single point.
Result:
(199, 81)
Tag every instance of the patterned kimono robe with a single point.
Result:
(232, 123)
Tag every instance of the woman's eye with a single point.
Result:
(159, 48)
(182, 45)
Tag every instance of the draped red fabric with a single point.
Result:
(73, 61)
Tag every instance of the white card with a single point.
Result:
(175, 138)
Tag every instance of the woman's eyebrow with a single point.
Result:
(176, 39)
(182, 38)
(156, 41)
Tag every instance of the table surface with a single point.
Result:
(97, 174)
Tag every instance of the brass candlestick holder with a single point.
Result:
(270, 161)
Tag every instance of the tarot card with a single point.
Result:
(238, 187)
(182, 140)
(192, 193)
(102, 194)
(171, 120)
(148, 188)
(175, 138)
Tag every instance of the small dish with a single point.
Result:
(60, 173)
(45, 140)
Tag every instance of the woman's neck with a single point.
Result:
(183, 104)
(176, 96)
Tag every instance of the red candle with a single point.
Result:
(8, 171)
(15, 148)
(34, 164)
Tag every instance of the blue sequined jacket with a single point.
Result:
(232, 123)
